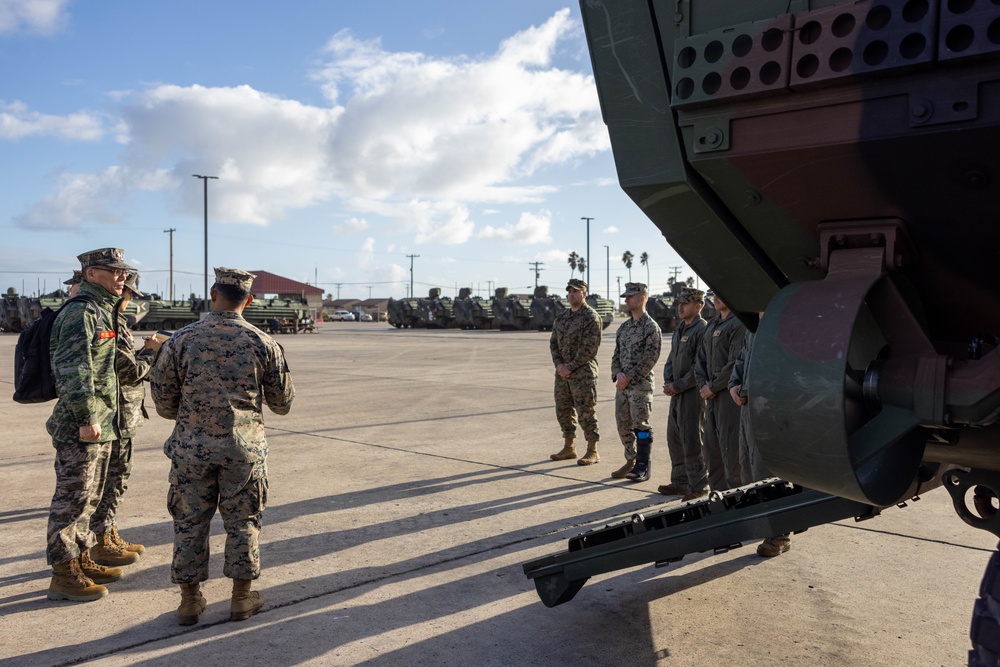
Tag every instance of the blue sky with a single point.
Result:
(346, 136)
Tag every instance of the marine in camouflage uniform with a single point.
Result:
(637, 349)
(721, 437)
(213, 378)
(576, 337)
(83, 423)
(132, 368)
(688, 472)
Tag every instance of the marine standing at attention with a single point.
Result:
(637, 349)
(213, 378)
(576, 337)
(83, 424)
(721, 438)
(688, 472)
(132, 367)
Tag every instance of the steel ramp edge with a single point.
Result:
(720, 522)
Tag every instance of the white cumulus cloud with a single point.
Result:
(530, 228)
(17, 122)
(41, 16)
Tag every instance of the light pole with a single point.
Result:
(204, 179)
(607, 250)
(588, 248)
(411, 273)
(171, 232)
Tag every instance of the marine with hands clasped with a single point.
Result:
(637, 349)
(575, 340)
(132, 368)
(212, 377)
(84, 423)
(688, 472)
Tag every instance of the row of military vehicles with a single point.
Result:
(153, 314)
(515, 312)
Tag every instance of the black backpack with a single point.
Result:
(33, 381)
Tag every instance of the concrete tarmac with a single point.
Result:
(408, 485)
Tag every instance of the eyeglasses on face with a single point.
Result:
(117, 273)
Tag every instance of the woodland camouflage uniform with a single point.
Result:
(132, 368)
(83, 353)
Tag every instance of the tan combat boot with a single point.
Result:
(591, 457)
(245, 602)
(192, 604)
(97, 573)
(624, 470)
(108, 553)
(567, 452)
(127, 546)
(69, 583)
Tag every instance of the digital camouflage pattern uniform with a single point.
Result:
(576, 338)
(132, 367)
(687, 408)
(637, 349)
(83, 353)
(213, 377)
(721, 438)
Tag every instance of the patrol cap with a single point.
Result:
(131, 280)
(635, 288)
(710, 294)
(112, 258)
(577, 283)
(691, 295)
(237, 277)
(76, 279)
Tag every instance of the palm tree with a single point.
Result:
(627, 261)
(581, 264)
(574, 261)
(644, 260)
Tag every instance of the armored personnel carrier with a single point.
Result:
(472, 312)
(402, 313)
(511, 311)
(436, 311)
(833, 164)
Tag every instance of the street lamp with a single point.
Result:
(588, 248)
(204, 179)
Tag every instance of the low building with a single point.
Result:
(286, 288)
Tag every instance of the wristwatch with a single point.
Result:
(569, 366)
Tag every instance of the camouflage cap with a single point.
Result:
(237, 277)
(577, 284)
(635, 288)
(690, 295)
(131, 280)
(112, 258)
(76, 279)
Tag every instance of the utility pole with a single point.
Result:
(607, 249)
(369, 292)
(674, 272)
(588, 248)
(619, 293)
(204, 179)
(338, 290)
(171, 288)
(411, 273)
(538, 271)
